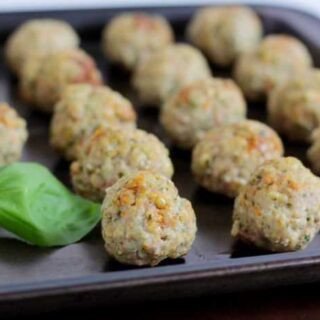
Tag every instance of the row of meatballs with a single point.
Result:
(144, 220)
(277, 67)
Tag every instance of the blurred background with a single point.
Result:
(311, 6)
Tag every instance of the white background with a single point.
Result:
(311, 6)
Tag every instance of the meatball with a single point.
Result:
(130, 36)
(225, 158)
(294, 108)
(81, 109)
(167, 70)
(44, 77)
(110, 153)
(13, 135)
(199, 107)
(276, 60)
(40, 36)
(279, 208)
(313, 153)
(222, 33)
(144, 221)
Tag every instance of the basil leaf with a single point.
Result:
(39, 209)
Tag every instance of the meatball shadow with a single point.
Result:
(220, 71)
(119, 78)
(113, 265)
(119, 72)
(38, 124)
(61, 171)
(94, 234)
(148, 121)
(202, 195)
(257, 110)
(296, 149)
(241, 249)
(180, 154)
(149, 111)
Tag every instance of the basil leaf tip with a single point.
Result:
(39, 209)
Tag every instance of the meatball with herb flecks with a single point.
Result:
(276, 59)
(13, 135)
(225, 158)
(41, 36)
(200, 106)
(167, 70)
(294, 107)
(144, 220)
(110, 153)
(279, 208)
(81, 109)
(44, 77)
(131, 36)
(223, 33)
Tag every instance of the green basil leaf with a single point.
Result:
(39, 209)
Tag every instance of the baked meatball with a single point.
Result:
(41, 36)
(81, 109)
(276, 60)
(313, 153)
(167, 70)
(44, 77)
(225, 158)
(110, 153)
(144, 221)
(131, 36)
(13, 135)
(294, 108)
(199, 107)
(222, 33)
(279, 208)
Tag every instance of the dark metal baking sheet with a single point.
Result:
(34, 279)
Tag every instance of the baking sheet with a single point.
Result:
(64, 276)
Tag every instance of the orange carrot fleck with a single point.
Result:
(257, 211)
(293, 185)
(268, 179)
(253, 143)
